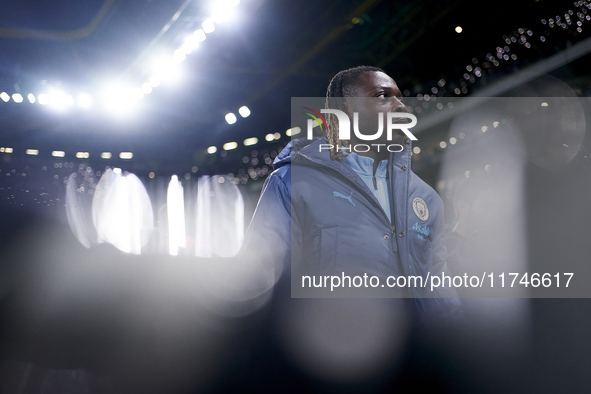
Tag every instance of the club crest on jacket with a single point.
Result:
(420, 207)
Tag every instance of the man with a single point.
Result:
(354, 215)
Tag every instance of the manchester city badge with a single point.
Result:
(420, 207)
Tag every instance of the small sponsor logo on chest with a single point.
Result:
(422, 231)
(341, 195)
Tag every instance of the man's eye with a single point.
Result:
(381, 94)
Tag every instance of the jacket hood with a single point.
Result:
(286, 155)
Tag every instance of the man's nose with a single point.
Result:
(398, 106)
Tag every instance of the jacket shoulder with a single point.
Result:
(424, 191)
(282, 173)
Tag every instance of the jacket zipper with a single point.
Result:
(391, 195)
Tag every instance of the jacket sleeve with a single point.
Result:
(268, 239)
(445, 300)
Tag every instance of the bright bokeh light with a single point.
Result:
(84, 100)
(277, 136)
(244, 111)
(223, 10)
(126, 155)
(154, 81)
(4, 96)
(230, 145)
(17, 98)
(32, 152)
(121, 100)
(190, 44)
(416, 150)
(231, 118)
(82, 155)
(106, 155)
(146, 88)
(251, 141)
(199, 35)
(58, 100)
(121, 211)
(138, 94)
(166, 69)
(443, 144)
(270, 137)
(212, 149)
(293, 131)
(43, 99)
(179, 56)
(58, 153)
(8, 150)
(208, 26)
(453, 140)
(458, 29)
(175, 205)
(31, 98)
(220, 220)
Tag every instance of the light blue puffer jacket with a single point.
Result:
(319, 217)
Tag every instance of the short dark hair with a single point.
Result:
(342, 85)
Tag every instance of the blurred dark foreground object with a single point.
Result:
(78, 320)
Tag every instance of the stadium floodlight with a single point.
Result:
(179, 55)
(231, 118)
(84, 100)
(208, 26)
(121, 99)
(165, 69)
(251, 141)
(293, 131)
(43, 99)
(199, 35)
(244, 111)
(230, 145)
(191, 43)
(223, 10)
(58, 100)
(146, 88)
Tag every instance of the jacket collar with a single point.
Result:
(312, 154)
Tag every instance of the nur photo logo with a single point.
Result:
(394, 121)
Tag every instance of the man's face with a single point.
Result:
(375, 93)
